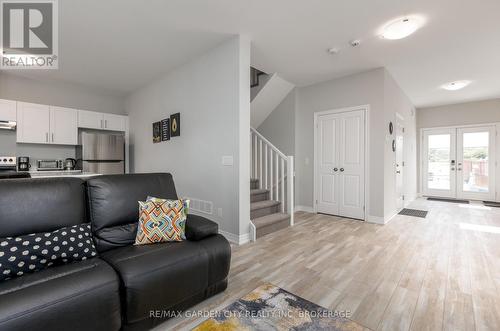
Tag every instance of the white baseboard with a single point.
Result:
(381, 220)
(306, 209)
(235, 239)
(375, 219)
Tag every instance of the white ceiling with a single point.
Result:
(121, 45)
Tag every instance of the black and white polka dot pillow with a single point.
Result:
(37, 251)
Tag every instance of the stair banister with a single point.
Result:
(275, 171)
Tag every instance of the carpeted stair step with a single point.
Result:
(271, 223)
(263, 208)
(254, 183)
(257, 195)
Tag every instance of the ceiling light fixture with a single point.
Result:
(458, 85)
(401, 28)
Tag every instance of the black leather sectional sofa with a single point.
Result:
(126, 287)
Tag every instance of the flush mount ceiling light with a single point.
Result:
(458, 85)
(401, 28)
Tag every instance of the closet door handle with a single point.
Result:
(341, 169)
(335, 169)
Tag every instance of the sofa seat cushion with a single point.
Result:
(78, 296)
(159, 276)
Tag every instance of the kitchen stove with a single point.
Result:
(8, 168)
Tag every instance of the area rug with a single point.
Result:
(269, 307)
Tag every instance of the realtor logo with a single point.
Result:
(29, 34)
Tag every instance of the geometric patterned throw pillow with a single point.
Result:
(37, 251)
(161, 220)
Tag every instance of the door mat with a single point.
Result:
(491, 204)
(414, 212)
(448, 200)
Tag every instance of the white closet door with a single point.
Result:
(340, 152)
(352, 161)
(327, 164)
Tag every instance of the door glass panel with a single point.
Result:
(475, 162)
(439, 162)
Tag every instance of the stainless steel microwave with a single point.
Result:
(49, 165)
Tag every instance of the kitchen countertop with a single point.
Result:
(62, 173)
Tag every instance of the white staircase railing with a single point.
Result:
(274, 170)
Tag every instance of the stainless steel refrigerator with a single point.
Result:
(101, 153)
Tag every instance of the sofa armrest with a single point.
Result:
(198, 227)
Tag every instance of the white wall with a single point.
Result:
(60, 94)
(212, 94)
(279, 126)
(478, 112)
(470, 113)
(396, 101)
(14, 87)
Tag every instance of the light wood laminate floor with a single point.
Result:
(438, 273)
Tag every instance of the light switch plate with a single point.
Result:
(227, 160)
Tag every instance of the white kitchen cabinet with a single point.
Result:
(63, 126)
(41, 124)
(114, 122)
(101, 121)
(8, 110)
(33, 123)
(90, 120)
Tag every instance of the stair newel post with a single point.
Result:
(290, 187)
(255, 156)
(271, 173)
(283, 185)
(260, 163)
(277, 177)
(265, 167)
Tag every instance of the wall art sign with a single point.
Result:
(156, 132)
(165, 129)
(175, 125)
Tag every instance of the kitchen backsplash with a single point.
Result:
(8, 146)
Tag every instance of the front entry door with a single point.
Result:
(340, 152)
(459, 163)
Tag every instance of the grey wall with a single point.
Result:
(14, 87)
(478, 112)
(279, 126)
(211, 93)
(375, 88)
(361, 89)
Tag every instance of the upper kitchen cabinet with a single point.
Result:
(63, 126)
(100, 121)
(114, 122)
(41, 124)
(8, 110)
(90, 120)
(33, 123)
